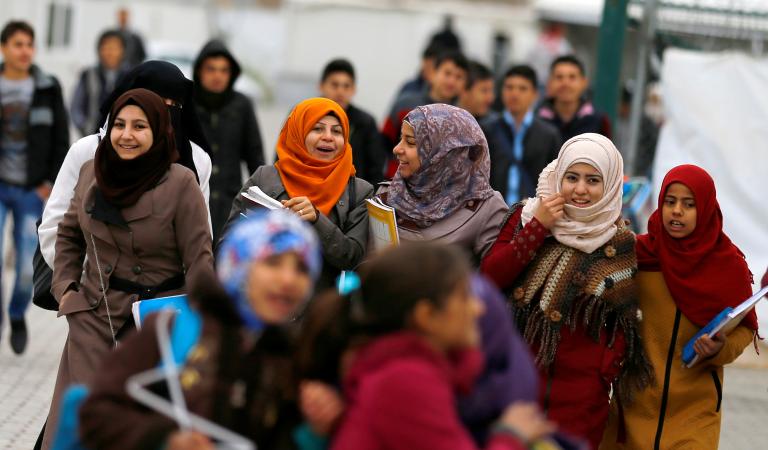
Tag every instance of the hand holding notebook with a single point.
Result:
(724, 322)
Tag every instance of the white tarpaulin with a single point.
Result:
(716, 107)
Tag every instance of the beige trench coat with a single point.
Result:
(167, 234)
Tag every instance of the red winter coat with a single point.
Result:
(401, 395)
(574, 390)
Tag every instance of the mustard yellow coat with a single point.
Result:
(682, 410)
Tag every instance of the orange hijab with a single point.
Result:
(322, 182)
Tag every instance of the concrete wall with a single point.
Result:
(289, 46)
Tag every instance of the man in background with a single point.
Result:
(97, 82)
(229, 123)
(134, 44)
(426, 71)
(34, 137)
(567, 107)
(520, 143)
(368, 152)
(447, 83)
(478, 94)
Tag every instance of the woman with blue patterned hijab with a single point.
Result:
(238, 369)
(267, 264)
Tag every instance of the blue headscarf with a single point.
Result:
(260, 235)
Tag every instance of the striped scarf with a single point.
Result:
(563, 286)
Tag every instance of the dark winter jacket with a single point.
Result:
(343, 233)
(540, 146)
(48, 129)
(247, 388)
(586, 120)
(90, 93)
(230, 126)
(368, 150)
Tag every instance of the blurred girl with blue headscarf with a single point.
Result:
(238, 371)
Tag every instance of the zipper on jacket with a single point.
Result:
(718, 388)
(667, 375)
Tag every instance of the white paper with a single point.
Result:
(256, 195)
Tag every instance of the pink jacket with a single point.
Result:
(401, 394)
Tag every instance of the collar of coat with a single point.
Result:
(101, 210)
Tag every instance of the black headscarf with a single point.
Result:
(213, 100)
(167, 81)
(123, 182)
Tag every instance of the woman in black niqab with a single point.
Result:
(167, 81)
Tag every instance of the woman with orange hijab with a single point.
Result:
(315, 178)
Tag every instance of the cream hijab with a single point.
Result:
(585, 229)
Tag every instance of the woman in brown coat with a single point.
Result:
(140, 220)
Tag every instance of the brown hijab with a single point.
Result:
(123, 182)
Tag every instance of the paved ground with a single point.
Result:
(26, 382)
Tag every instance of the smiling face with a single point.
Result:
(131, 134)
(278, 286)
(567, 83)
(582, 185)
(406, 152)
(326, 139)
(678, 212)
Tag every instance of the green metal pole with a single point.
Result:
(609, 52)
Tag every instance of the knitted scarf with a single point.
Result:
(563, 286)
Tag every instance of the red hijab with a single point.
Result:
(704, 271)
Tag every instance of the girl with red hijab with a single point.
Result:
(689, 271)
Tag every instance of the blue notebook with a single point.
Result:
(725, 322)
(143, 308)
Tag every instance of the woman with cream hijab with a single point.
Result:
(567, 261)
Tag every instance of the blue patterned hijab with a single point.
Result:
(261, 235)
(455, 165)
